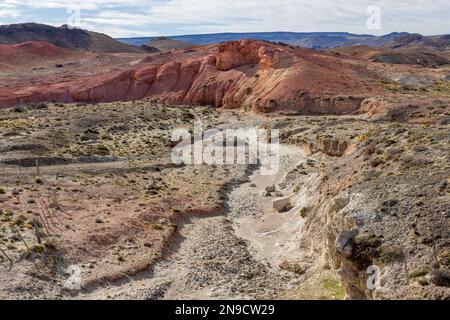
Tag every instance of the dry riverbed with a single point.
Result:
(96, 189)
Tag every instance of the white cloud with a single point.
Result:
(8, 8)
(145, 17)
(12, 13)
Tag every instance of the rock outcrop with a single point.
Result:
(252, 75)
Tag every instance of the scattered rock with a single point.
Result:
(293, 267)
(282, 205)
(339, 204)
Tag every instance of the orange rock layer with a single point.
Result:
(252, 75)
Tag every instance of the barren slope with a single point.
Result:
(34, 53)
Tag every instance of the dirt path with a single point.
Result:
(232, 256)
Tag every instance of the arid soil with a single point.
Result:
(103, 184)
(89, 192)
(95, 185)
(39, 63)
(247, 75)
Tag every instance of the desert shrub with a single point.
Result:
(364, 137)
(420, 162)
(415, 161)
(30, 106)
(388, 254)
(101, 150)
(19, 109)
(444, 121)
(419, 148)
(365, 250)
(20, 221)
(38, 248)
(38, 180)
(375, 162)
(303, 212)
(36, 106)
(444, 257)
(50, 244)
(420, 272)
(393, 153)
(189, 116)
(441, 277)
(370, 150)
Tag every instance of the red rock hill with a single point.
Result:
(252, 75)
(28, 53)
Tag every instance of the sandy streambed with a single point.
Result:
(231, 256)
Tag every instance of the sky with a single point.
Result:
(135, 18)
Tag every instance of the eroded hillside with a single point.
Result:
(93, 186)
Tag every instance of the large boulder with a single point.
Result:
(283, 204)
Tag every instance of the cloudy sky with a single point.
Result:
(128, 18)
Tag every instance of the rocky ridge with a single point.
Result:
(248, 74)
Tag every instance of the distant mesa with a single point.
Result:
(441, 42)
(407, 55)
(165, 44)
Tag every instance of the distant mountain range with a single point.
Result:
(314, 40)
(83, 40)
